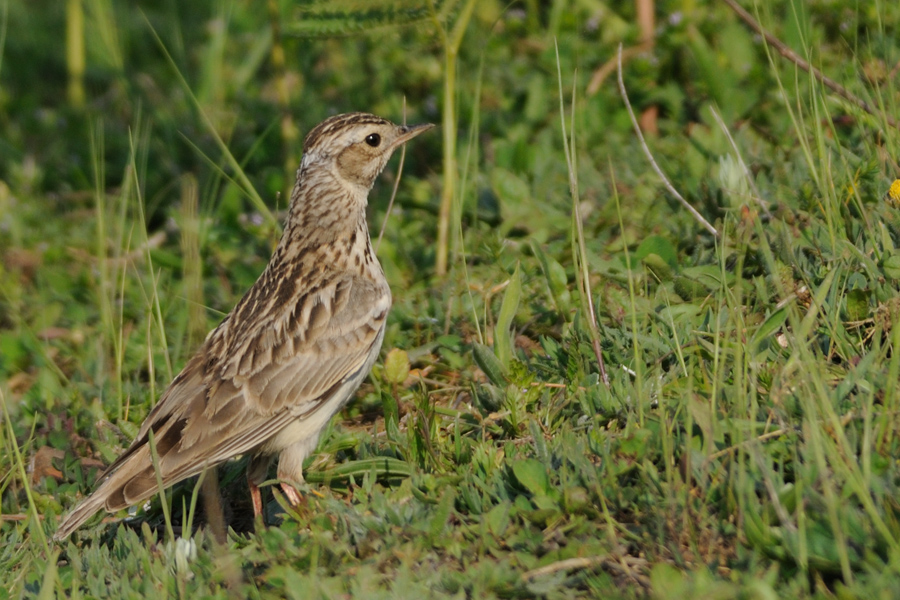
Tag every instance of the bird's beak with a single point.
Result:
(408, 132)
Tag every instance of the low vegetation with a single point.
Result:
(746, 443)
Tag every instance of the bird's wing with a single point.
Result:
(246, 384)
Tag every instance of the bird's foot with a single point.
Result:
(291, 493)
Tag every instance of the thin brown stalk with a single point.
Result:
(390, 206)
(637, 129)
(451, 40)
(212, 505)
(579, 249)
(75, 56)
(645, 20)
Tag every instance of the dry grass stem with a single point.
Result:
(694, 212)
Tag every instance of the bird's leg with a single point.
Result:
(256, 496)
(256, 474)
(290, 468)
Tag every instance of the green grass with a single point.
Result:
(747, 443)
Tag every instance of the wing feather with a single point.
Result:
(238, 392)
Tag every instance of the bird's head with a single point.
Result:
(356, 146)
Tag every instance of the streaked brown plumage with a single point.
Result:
(293, 350)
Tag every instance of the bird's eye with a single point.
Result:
(373, 139)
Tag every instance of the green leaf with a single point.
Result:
(537, 103)
(541, 516)
(636, 444)
(769, 326)
(128, 428)
(658, 267)
(382, 466)
(688, 289)
(497, 518)
(556, 277)
(660, 246)
(709, 276)
(665, 579)
(857, 305)
(396, 366)
(488, 362)
(508, 308)
(891, 266)
(510, 188)
(576, 499)
(13, 353)
(532, 474)
(391, 411)
(164, 258)
(442, 514)
(759, 534)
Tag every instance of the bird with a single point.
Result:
(294, 349)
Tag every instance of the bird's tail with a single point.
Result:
(131, 482)
(81, 513)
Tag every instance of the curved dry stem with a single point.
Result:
(396, 185)
(696, 214)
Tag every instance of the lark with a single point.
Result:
(295, 348)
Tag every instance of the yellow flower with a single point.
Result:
(893, 195)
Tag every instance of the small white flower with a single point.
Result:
(731, 176)
(184, 552)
